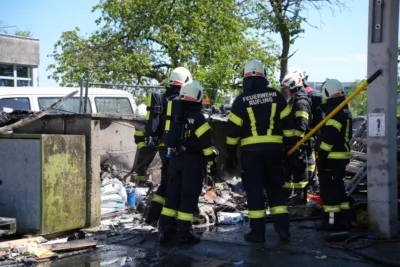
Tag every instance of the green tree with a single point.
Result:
(358, 105)
(25, 33)
(139, 41)
(287, 18)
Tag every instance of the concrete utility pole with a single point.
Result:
(382, 117)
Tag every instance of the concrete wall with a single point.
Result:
(106, 139)
(19, 50)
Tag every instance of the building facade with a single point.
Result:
(19, 61)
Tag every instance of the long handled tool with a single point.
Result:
(336, 110)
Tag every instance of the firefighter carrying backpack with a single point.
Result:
(154, 111)
(174, 125)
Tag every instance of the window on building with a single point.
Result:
(113, 105)
(14, 103)
(7, 82)
(13, 75)
(6, 70)
(70, 106)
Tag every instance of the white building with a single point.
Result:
(19, 61)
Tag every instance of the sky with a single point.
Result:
(337, 48)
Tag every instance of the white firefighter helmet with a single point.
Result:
(192, 91)
(298, 71)
(292, 80)
(180, 76)
(332, 88)
(254, 68)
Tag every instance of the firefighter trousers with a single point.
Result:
(311, 168)
(296, 177)
(333, 194)
(158, 199)
(262, 170)
(186, 172)
(145, 157)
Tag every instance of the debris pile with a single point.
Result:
(38, 249)
(113, 195)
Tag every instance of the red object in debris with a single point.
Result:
(206, 101)
(315, 198)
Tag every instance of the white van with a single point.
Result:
(106, 101)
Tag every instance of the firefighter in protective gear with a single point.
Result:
(178, 78)
(187, 161)
(260, 122)
(296, 171)
(332, 157)
(317, 117)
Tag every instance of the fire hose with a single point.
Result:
(336, 110)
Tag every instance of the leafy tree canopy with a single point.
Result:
(139, 41)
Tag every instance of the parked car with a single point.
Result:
(106, 101)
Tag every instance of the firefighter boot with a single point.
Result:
(185, 235)
(167, 238)
(330, 222)
(345, 219)
(257, 231)
(281, 226)
(154, 213)
(167, 229)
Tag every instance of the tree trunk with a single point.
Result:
(284, 53)
(285, 36)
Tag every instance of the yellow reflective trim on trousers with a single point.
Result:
(346, 136)
(232, 141)
(208, 151)
(261, 139)
(303, 114)
(335, 208)
(271, 119)
(279, 210)
(334, 123)
(169, 212)
(141, 144)
(252, 121)
(295, 185)
(139, 133)
(162, 144)
(285, 112)
(311, 168)
(256, 214)
(235, 119)
(298, 133)
(345, 205)
(288, 133)
(140, 178)
(202, 129)
(339, 155)
(169, 112)
(326, 147)
(183, 216)
(149, 105)
(158, 199)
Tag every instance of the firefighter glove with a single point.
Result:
(212, 168)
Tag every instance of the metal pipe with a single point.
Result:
(80, 97)
(144, 86)
(336, 110)
(86, 96)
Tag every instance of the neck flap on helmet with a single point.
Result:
(253, 83)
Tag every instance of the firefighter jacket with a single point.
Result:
(197, 134)
(336, 135)
(260, 120)
(301, 113)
